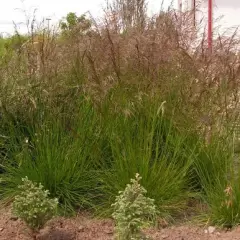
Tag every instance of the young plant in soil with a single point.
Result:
(33, 205)
(133, 211)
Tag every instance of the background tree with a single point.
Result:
(75, 24)
(132, 12)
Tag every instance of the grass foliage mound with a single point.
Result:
(82, 110)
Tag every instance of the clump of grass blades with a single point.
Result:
(223, 202)
(59, 158)
(147, 142)
(219, 186)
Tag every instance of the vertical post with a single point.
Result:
(180, 5)
(194, 12)
(210, 19)
(48, 20)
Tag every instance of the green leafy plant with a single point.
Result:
(33, 204)
(133, 211)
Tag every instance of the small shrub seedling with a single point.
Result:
(33, 204)
(133, 211)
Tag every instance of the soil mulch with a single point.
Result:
(83, 227)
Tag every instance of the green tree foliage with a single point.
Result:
(11, 43)
(2, 48)
(75, 24)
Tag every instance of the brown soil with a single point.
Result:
(85, 228)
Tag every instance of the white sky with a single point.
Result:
(56, 9)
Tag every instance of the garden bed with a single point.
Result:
(83, 227)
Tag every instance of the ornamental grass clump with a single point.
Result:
(33, 204)
(133, 211)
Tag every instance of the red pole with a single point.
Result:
(210, 19)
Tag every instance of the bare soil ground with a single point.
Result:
(84, 227)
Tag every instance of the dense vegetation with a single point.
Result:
(85, 108)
